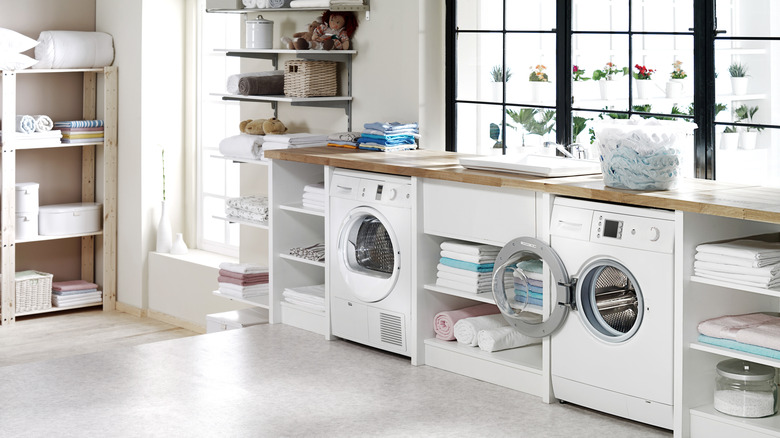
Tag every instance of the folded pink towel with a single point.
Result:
(444, 322)
(231, 280)
(248, 277)
(727, 327)
(65, 286)
(765, 335)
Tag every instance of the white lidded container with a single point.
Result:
(26, 225)
(64, 219)
(27, 197)
(259, 33)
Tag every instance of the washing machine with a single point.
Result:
(369, 259)
(607, 305)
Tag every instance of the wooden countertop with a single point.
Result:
(692, 195)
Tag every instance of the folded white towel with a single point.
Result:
(770, 271)
(735, 261)
(464, 272)
(43, 123)
(726, 278)
(469, 248)
(743, 248)
(235, 290)
(503, 338)
(451, 284)
(242, 146)
(314, 197)
(755, 280)
(298, 138)
(467, 329)
(310, 3)
(25, 124)
(315, 188)
(243, 268)
(313, 206)
(479, 259)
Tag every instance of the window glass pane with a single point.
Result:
(529, 128)
(746, 157)
(668, 61)
(604, 59)
(662, 15)
(600, 15)
(530, 15)
(480, 14)
(480, 129)
(757, 18)
(479, 56)
(533, 81)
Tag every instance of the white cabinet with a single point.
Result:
(98, 184)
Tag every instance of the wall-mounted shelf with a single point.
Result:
(365, 7)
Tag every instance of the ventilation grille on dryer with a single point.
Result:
(391, 329)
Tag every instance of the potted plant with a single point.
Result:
(675, 86)
(497, 78)
(748, 136)
(606, 78)
(643, 76)
(578, 78)
(739, 78)
(729, 138)
(540, 83)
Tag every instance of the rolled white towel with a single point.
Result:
(467, 329)
(503, 338)
(242, 146)
(43, 123)
(74, 49)
(25, 123)
(249, 3)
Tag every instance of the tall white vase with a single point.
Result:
(164, 234)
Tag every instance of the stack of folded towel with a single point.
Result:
(242, 280)
(311, 297)
(491, 333)
(242, 146)
(299, 140)
(252, 208)
(315, 253)
(81, 131)
(314, 196)
(444, 322)
(344, 139)
(466, 267)
(755, 333)
(744, 262)
(74, 293)
(532, 269)
(387, 137)
(310, 4)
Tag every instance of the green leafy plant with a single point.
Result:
(495, 134)
(578, 74)
(533, 120)
(498, 75)
(745, 113)
(538, 74)
(609, 71)
(163, 174)
(578, 125)
(737, 70)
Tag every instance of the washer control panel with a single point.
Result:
(638, 232)
(385, 193)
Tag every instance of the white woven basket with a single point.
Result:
(310, 78)
(33, 291)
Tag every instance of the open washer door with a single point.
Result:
(518, 287)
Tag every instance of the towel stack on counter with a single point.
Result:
(310, 297)
(315, 253)
(347, 139)
(251, 208)
(743, 262)
(466, 267)
(81, 131)
(754, 333)
(528, 291)
(74, 293)
(314, 197)
(299, 140)
(481, 325)
(388, 137)
(242, 280)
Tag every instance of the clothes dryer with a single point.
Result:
(611, 323)
(369, 259)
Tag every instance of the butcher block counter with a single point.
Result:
(692, 195)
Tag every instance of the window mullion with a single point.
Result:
(563, 37)
(704, 88)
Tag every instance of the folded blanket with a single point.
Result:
(310, 4)
(242, 146)
(77, 297)
(43, 123)
(444, 322)
(457, 285)
(467, 329)
(474, 275)
(261, 85)
(727, 326)
(734, 345)
(25, 124)
(743, 248)
(476, 267)
(239, 276)
(745, 280)
(764, 335)
(503, 338)
(235, 290)
(478, 259)
(243, 268)
(74, 49)
(469, 248)
(254, 203)
(238, 213)
(239, 282)
(763, 271)
(70, 285)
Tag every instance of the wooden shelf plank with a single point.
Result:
(60, 309)
(64, 236)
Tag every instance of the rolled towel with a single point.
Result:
(242, 146)
(25, 124)
(74, 49)
(503, 338)
(276, 4)
(261, 85)
(466, 329)
(232, 81)
(43, 123)
(444, 322)
(249, 3)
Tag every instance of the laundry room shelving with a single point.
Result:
(98, 184)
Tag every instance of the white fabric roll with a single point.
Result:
(467, 329)
(74, 49)
(249, 3)
(503, 338)
(43, 123)
(242, 146)
(25, 124)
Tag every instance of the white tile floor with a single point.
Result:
(274, 380)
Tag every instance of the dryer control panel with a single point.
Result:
(392, 190)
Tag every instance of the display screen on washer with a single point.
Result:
(612, 228)
(379, 192)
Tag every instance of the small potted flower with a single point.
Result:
(643, 76)
(540, 83)
(606, 78)
(674, 87)
(739, 78)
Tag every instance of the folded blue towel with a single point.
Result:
(79, 124)
(474, 267)
(739, 346)
(389, 142)
(531, 287)
(386, 148)
(531, 300)
(389, 127)
(388, 136)
(521, 293)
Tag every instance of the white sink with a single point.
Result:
(531, 164)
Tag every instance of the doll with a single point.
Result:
(335, 31)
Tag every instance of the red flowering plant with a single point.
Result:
(643, 72)
(578, 74)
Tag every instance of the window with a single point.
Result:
(524, 73)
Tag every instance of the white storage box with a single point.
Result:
(27, 197)
(235, 319)
(26, 225)
(64, 219)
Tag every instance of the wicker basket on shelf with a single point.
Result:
(310, 78)
(33, 291)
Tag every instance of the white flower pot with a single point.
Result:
(739, 85)
(608, 89)
(747, 139)
(674, 88)
(729, 140)
(497, 91)
(541, 91)
(644, 88)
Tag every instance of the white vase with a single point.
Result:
(674, 88)
(644, 88)
(747, 139)
(178, 247)
(739, 85)
(164, 235)
(729, 140)
(608, 89)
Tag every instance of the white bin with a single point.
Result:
(27, 197)
(26, 225)
(235, 319)
(64, 219)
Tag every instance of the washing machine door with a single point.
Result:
(369, 257)
(609, 300)
(518, 287)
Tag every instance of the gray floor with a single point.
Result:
(275, 381)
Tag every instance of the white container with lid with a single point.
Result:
(26, 225)
(259, 33)
(745, 389)
(64, 219)
(27, 197)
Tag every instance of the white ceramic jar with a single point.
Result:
(259, 33)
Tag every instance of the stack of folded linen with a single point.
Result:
(74, 293)
(346, 2)
(755, 333)
(310, 4)
(315, 253)
(344, 139)
(466, 267)
(252, 208)
(314, 196)
(491, 333)
(243, 280)
(242, 146)
(311, 297)
(81, 131)
(743, 261)
(534, 284)
(388, 137)
(299, 140)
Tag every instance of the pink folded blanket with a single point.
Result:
(248, 277)
(444, 322)
(65, 286)
(239, 282)
(752, 328)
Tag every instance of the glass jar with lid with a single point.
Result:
(745, 389)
